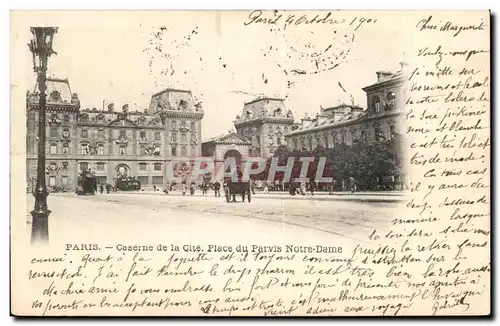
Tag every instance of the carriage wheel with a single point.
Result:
(249, 195)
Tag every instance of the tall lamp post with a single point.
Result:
(41, 48)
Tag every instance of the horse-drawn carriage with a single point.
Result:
(86, 184)
(232, 188)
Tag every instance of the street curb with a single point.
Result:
(361, 200)
(344, 198)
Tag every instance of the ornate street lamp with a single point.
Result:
(41, 48)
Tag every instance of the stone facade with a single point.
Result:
(348, 124)
(230, 145)
(108, 142)
(264, 122)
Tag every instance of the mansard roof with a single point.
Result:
(264, 108)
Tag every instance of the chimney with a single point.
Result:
(383, 75)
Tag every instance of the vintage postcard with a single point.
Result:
(250, 163)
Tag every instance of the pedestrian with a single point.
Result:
(101, 188)
(184, 186)
(266, 189)
(302, 187)
(154, 188)
(192, 188)
(217, 188)
(352, 184)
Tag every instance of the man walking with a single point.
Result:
(217, 188)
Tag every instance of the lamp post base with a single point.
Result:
(40, 226)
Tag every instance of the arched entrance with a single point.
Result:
(122, 170)
(234, 154)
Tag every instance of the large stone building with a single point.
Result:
(222, 147)
(111, 143)
(345, 124)
(264, 122)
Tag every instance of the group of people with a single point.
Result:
(108, 188)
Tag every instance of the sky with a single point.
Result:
(125, 57)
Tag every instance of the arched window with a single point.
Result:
(391, 101)
(375, 104)
(66, 118)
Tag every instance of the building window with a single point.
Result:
(310, 144)
(100, 149)
(157, 167)
(100, 133)
(53, 166)
(84, 118)
(174, 125)
(100, 166)
(64, 180)
(143, 135)
(364, 137)
(84, 149)
(84, 166)
(65, 149)
(143, 167)
(342, 138)
(157, 135)
(52, 181)
(157, 180)
(392, 129)
(278, 141)
(123, 133)
(391, 101)
(174, 151)
(183, 137)
(85, 133)
(295, 144)
(183, 151)
(66, 118)
(65, 166)
(375, 104)
(65, 133)
(102, 180)
(193, 126)
(53, 148)
(53, 132)
(143, 180)
(123, 150)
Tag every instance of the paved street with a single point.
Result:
(169, 218)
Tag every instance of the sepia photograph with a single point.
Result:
(250, 163)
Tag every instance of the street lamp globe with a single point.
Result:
(41, 44)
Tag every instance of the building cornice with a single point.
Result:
(343, 124)
(56, 107)
(385, 84)
(261, 121)
(183, 115)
